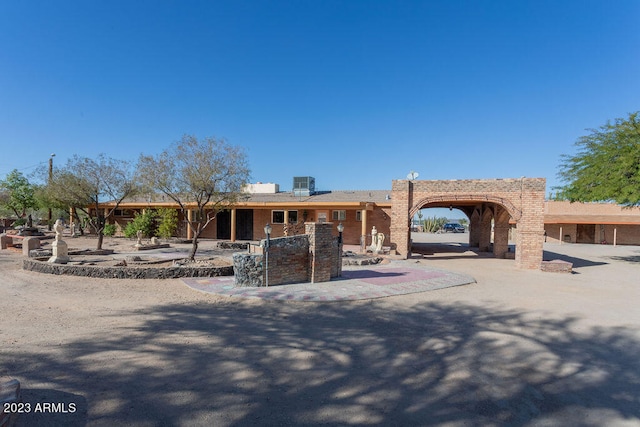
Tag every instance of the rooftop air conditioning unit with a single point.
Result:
(304, 185)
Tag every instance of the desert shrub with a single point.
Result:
(146, 222)
(167, 222)
(109, 230)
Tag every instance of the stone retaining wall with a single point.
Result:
(173, 272)
(247, 269)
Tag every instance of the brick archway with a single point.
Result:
(500, 200)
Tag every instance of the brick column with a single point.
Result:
(530, 226)
(399, 230)
(321, 248)
(501, 234)
(485, 231)
(474, 229)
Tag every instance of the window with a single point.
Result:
(339, 215)
(358, 215)
(277, 217)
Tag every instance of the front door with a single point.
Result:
(586, 233)
(244, 224)
(223, 220)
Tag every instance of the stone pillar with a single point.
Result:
(29, 244)
(320, 250)
(5, 241)
(400, 230)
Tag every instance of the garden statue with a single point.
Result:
(59, 249)
(139, 235)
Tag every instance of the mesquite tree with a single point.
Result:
(85, 183)
(204, 176)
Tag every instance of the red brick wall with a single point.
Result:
(380, 217)
(522, 198)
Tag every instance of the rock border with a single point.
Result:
(173, 272)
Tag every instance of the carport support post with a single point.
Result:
(500, 239)
(501, 232)
(560, 237)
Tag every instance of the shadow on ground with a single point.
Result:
(450, 250)
(630, 258)
(236, 364)
(577, 262)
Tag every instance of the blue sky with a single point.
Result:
(354, 93)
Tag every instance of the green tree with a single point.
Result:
(17, 194)
(84, 183)
(204, 176)
(145, 222)
(167, 222)
(606, 166)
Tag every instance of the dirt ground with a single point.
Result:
(517, 348)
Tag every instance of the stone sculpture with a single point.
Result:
(59, 249)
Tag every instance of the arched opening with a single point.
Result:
(518, 201)
(484, 229)
(440, 230)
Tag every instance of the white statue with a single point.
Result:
(59, 228)
(59, 249)
(379, 243)
(374, 237)
(139, 235)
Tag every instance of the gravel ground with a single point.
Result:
(516, 348)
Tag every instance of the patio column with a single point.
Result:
(363, 232)
(233, 224)
(189, 219)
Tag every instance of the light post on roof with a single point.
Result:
(267, 231)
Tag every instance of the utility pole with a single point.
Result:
(50, 179)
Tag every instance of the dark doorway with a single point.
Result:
(244, 224)
(223, 220)
(586, 233)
